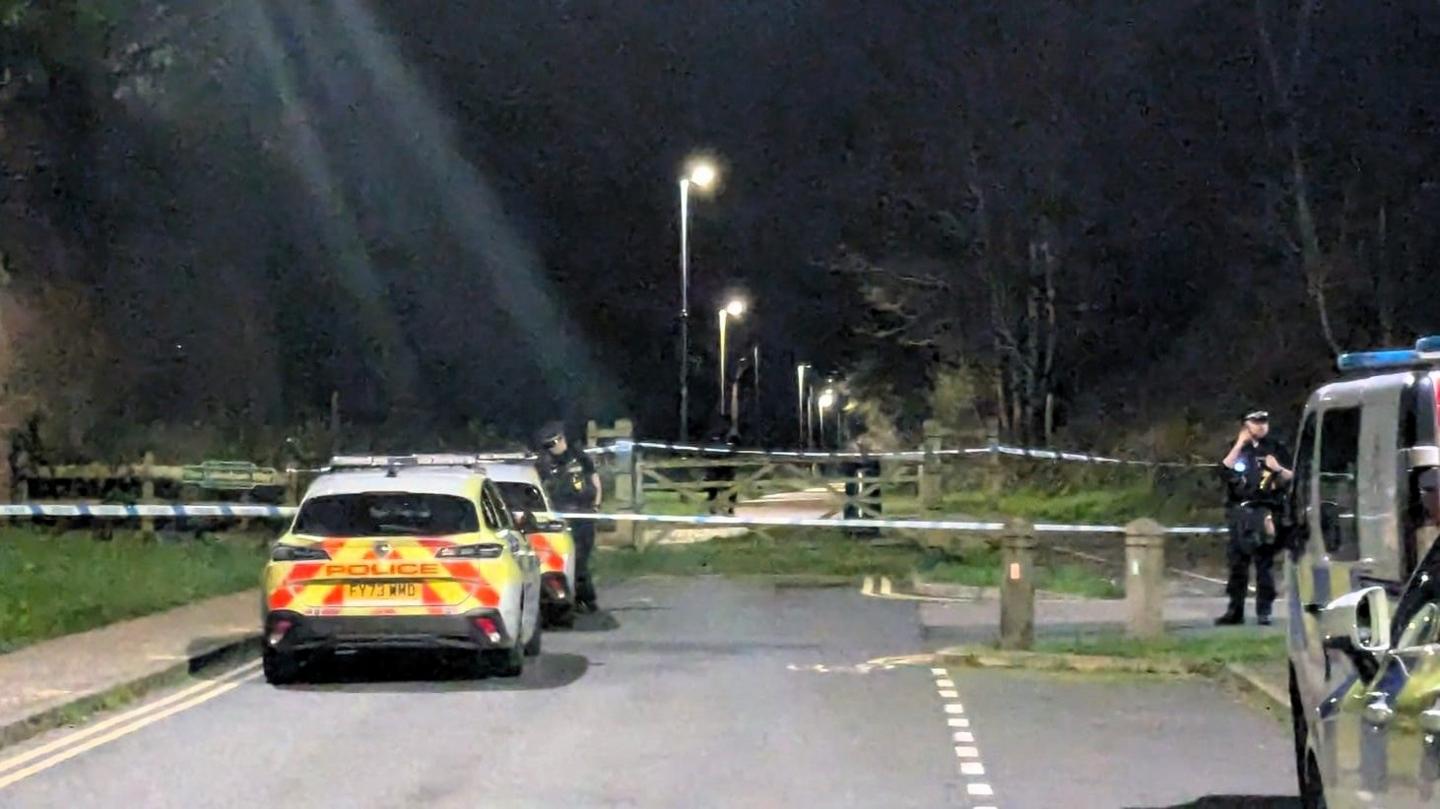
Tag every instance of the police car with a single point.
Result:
(520, 485)
(389, 552)
(1364, 584)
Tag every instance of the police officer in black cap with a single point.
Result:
(1256, 472)
(574, 486)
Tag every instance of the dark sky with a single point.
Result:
(463, 215)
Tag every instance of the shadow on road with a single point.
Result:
(602, 621)
(212, 657)
(393, 672)
(1239, 802)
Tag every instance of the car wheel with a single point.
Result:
(532, 649)
(281, 668)
(505, 662)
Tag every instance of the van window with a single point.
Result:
(1300, 491)
(1339, 453)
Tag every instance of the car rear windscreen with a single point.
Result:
(522, 497)
(383, 513)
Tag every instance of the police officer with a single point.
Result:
(570, 478)
(1255, 472)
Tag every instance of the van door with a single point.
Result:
(1332, 559)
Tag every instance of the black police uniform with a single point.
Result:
(1251, 493)
(567, 478)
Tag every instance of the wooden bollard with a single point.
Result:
(147, 490)
(1144, 579)
(1017, 585)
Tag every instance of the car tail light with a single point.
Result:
(486, 551)
(278, 630)
(297, 553)
(489, 627)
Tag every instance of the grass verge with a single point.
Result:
(825, 552)
(1217, 648)
(58, 584)
(981, 568)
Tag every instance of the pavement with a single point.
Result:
(683, 692)
(39, 683)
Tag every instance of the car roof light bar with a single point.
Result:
(1377, 360)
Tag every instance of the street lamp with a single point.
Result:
(826, 400)
(800, 403)
(735, 308)
(700, 173)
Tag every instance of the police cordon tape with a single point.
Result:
(830, 522)
(625, 445)
(229, 510)
(113, 511)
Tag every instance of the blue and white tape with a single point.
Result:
(108, 511)
(830, 522)
(235, 510)
(1019, 452)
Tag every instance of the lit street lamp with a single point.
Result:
(804, 439)
(701, 174)
(825, 402)
(735, 308)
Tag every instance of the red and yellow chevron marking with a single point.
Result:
(552, 550)
(446, 585)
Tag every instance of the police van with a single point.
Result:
(1364, 584)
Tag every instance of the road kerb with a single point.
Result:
(984, 657)
(1249, 681)
(122, 693)
(1237, 675)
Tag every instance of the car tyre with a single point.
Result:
(281, 668)
(532, 648)
(505, 662)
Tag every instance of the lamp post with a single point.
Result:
(735, 308)
(701, 174)
(802, 436)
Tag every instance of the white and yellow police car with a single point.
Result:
(386, 552)
(520, 485)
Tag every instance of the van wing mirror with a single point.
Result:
(1357, 622)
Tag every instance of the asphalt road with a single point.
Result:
(685, 693)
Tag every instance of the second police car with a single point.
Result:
(525, 495)
(389, 553)
(1364, 584)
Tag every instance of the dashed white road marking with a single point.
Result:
(966, 750)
